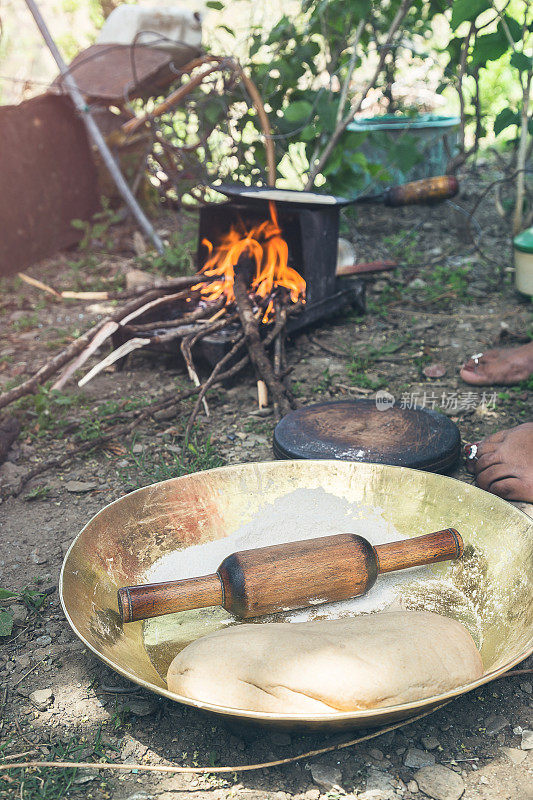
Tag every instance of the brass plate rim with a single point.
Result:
(358, 717)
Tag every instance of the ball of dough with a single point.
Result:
(348, 664)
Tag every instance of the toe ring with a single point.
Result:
(472, 455)
(476, 358)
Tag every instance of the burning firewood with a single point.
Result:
(210, 301)
(258, 355)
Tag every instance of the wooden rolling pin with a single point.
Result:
(283, 577)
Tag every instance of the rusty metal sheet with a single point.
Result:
(113, 73)
(48, 178)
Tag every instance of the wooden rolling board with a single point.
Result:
(354, 430)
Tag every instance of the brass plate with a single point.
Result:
(491, 590)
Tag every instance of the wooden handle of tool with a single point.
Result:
(428, 190)
(156, 599)
(428, 549)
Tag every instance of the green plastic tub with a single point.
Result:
(406, 147)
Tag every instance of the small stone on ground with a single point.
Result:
(527, 740)
(42, 698)
(415, 758)
(327, 778)
(440, 783)
(79, 487)
(495, 723)
(514, 754)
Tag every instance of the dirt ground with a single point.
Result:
(444, 303)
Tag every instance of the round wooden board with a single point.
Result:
(355, 430)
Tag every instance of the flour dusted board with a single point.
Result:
(355, 430)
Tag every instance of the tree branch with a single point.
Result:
(345, 121)
(521, 156)
(351, 67)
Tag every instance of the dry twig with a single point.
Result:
(61, 359)
(256, 348)
(239, 344)
(168, 768)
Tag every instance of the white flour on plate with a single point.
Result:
(302, 514)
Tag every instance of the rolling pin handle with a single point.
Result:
(428, 549)
(124, 604)
(156, 599)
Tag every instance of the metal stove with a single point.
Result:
(311, 233)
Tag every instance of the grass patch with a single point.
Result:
(56, 784)
(361, 361)
(49, 413)
(179, 257)
(258, 426)
(324, 383)
(92, 426)
(150, 468)
(445, 284)
(357, 375)
(404, 246)
(33, 599)
(26, 323)
(39, 493)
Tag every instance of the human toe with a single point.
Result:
(486, 478)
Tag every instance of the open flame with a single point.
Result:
(268, 251)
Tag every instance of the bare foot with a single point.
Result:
(503, 463)
(505, 367)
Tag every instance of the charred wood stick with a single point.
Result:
(239, 344)
(107, 329)
(279, 349)
(256, 348)
(136, 342)
(224, 376)
(155, 303)
(121, 352)
(277, 336)
(190, 333)
(186, 349)
(280, 321)
(133, 344)
(295, 308)
(277, 356)
(171, 336)
(31, 385)
(96, 342)
(271, 335)
(162, 287)
(218, 325)
(199, 313)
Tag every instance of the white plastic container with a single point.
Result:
(167, 28)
